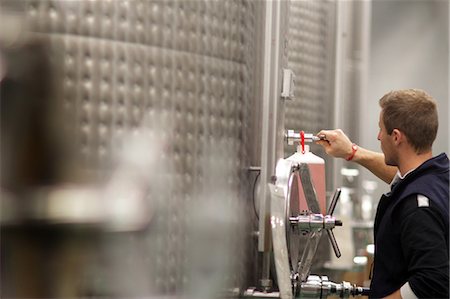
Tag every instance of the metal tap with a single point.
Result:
(320, 287)
(316, 287)
(292, 136)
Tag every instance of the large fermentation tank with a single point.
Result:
(177, 72)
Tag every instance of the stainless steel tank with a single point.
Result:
(169, 80)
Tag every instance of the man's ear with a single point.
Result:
(398, 136)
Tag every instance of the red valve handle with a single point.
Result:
(302, 138)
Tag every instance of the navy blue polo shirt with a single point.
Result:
(412, 234)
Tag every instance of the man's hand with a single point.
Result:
(337, 144)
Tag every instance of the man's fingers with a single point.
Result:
(323, 143)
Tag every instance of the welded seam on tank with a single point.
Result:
(88, 38)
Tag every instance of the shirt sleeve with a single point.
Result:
(406, 292)
(425, 247)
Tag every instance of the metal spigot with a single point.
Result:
(320, 287)
(316, 287)
(292, 136)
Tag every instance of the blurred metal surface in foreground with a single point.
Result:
(123, 148)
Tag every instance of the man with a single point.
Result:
(412, 221)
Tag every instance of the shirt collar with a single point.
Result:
(398, 177)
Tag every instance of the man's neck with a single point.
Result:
(412, 160)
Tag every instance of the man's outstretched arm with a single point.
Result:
(338, 145)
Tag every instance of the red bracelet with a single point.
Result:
(354, 149)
